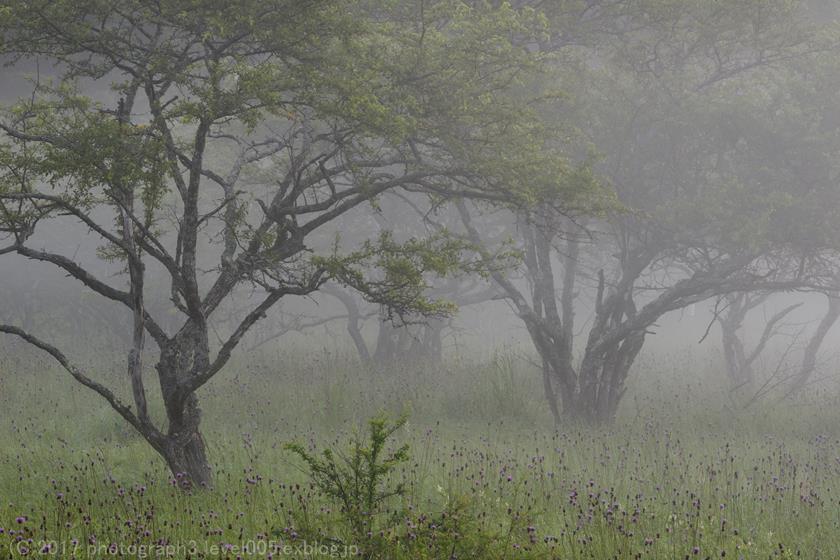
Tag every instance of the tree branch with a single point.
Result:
(145, 428)
(103, 289)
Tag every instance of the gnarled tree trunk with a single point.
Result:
(182, 447)
(184, 450)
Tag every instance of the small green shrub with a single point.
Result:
(358, 480)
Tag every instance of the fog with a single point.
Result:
(318, 273)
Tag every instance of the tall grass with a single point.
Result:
(681, 474)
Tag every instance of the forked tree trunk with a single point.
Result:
(183, 446)
(740, 362)
(591, 394)
(603, 373)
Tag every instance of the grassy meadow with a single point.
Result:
(682, 474)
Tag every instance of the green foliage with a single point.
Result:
(395, 274)
(358, 480)
(441, 97)
(83, 154)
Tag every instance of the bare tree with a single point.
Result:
(739, 362)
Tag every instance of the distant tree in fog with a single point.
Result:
(688, 107)
(739, 360)
(419, 341)
(776, 348)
